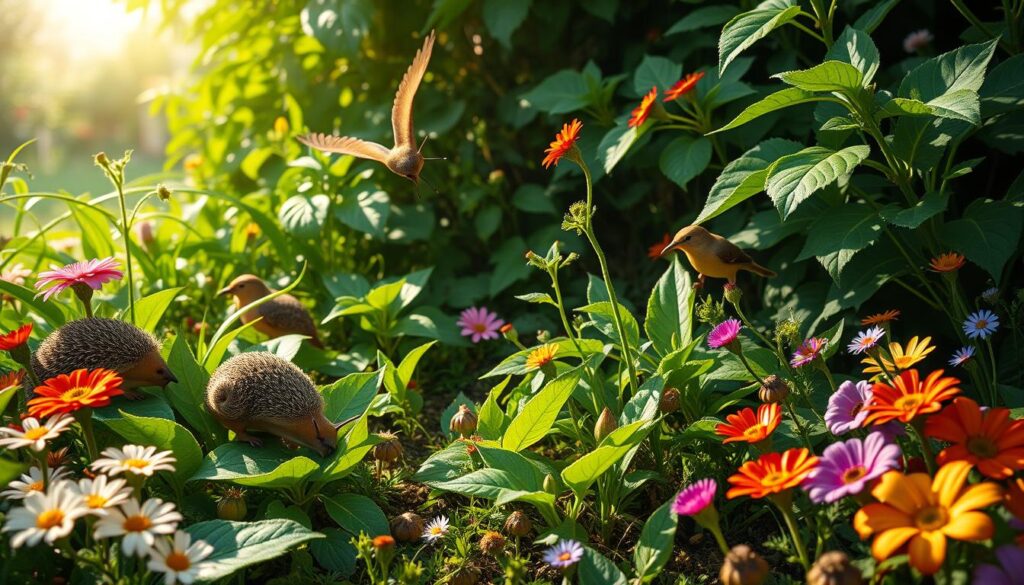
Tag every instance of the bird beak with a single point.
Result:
(171, 378)
(669, 247)
(224, 291)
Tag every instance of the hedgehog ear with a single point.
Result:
(339, 424)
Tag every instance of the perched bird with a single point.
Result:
(279, 316)
(262, 392)
(404, 158)
(93, 343)
(712, 255)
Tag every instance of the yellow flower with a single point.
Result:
(281, 125)
(916, 350)
(541, 356)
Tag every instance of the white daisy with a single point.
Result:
(990, 295)
(981, 324)
(32, 482)
(34, 435)
(45, 516)
(865, 340)
(134, 459)
(180, 560)
(139, 525)
(102, 493)
(437, 529)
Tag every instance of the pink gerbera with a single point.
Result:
(479, 324)
(694, 498)
(808, 351)
(724, 333)
(92, 273)
(846, 468)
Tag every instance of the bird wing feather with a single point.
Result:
(730, 253)
(346, 145)
(401, 111)
(286, 313)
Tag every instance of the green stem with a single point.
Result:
(995, 372)
(976, 23)
(84, 418)
(796, 421)
(926, 447)
(126, 234)
(784, 504)
(810, 32)
(828, 374)
(746, 364)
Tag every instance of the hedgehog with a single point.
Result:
(93, 343)
(279, 316)
(259, 391)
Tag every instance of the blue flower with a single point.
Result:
(981, 324)
(962, 355)
(564, 554)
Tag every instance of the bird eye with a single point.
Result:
(687, 238)
(241, 286)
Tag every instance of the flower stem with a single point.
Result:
(126, 235)
(785, 505)
(926, 447)
(84, 418)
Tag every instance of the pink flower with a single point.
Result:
(479, 324)
(724, 333)
(917, 40)
(845, 410)
(694, 498)
(808, 351)
(92, 273)
(846, 468)
(16, 274)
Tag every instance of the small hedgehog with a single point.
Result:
(260, 391)
(281, 315)
(103, 343)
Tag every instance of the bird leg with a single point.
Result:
(700, 282)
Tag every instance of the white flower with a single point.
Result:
(102, 493)
(34, 435)
(32, 482)
(16, 274)
(135, 459)
(139, 525)
(865, 340)
(437, 529)
(45, 516)
(179, 560)
(917, 40)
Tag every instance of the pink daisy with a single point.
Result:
(92, 273)
(724, 333)
(694, 498)
(479, 324)
(845, 410)
(808, 351)
(846, 468)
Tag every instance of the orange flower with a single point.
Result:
(917, 513)
(879, 318)
(987, 439)
(15, 339)
(654, 251)
(909, 397)
(67, 393)
(746, 426)
(11, 380)
(541, 356)
(772, 473)
(1014, 498)
(564, 142)
(948, 262)
(683, 86)
(915, 351)
(641, 112)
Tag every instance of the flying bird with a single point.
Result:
(712, 255)
(404, 157)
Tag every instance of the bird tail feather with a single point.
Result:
(758, 269)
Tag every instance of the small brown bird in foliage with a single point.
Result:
(404, 158)
(283, 315)
(712, 255)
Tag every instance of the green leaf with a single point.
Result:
(304, 215)
(784, 98)
(165, 435)
(535, 418)
(903, 107)
(96, 239)
(703, 17)
(237, 545)
(932, 204)
(445, 12)
(366, 211)
(188, 394)
(595, 568)
(335, 552)
(149, 309)
(537, 298)
(148, 407)
(267, 467)
(839, 233)
(956, 70)
(407, 368)
(449, 412)
(352, 448)
(745, 177)
(657, 72)
(603, 316)
(856, 48)
(487, 221)
(50, 312)
(685, 158)
(749, 27)
(655, 545)
(516, 363)
(1003, 90)
(827, 76)
(988, 234)
(874, 16)
(615, 144)
(561, 93)
(583, 472)
(533, 198)
(356, 514)
(961, 104)
(492, 418)
(669, 322)
(350, 396)
(794, 178)
(503, 17)
(448, 463)
(603, 9)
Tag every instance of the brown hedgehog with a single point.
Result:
(103, 343)
(281, 315)
(260, 391)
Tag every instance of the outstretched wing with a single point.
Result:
(346, 145)
(401, 111)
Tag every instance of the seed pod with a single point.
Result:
(407, 527)
(492, 543)
(389, 449)
(743, 566)
(231, 505)
(518, 524)
(465, 576)
(733, 294)
(773, 390)
(669, 401)
(834, 568)
(464, 421)
(605, 424)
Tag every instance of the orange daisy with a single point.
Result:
(746, 426)
(683, 86)
(1014, 497)
(654, 251)
(541, 356)
(916, 514)
(564, 142)
(772, 473)
(67, 393)
(909, 396)
(948, 262)
(641, 112)
(989, 440)
(15, 339)
(11, 380)
(879, 318)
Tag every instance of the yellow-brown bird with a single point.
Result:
(712, 255)
(283, 315)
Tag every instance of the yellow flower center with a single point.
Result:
(49, 518)
(95, 501)
(75, 394)
(980, 324)
(755, 432)
(565, 556)
(932, 518)
(907, 403)
(479, 328)
(135, 463)
(35, 486)
(983, 447)
(36, 433)
(854, 474)
(178, 561)
(773, 478)
(136, 523)
(435, 530)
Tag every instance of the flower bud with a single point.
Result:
(281, 125)
(834, 568)
(384, 542)
(407, 527)
(543, 336)
(605, 424)
(101, 159)
(389, 449)
(551, 484)
(733, 294)
(464, 421)
(773, 389)
(231, 505)
(163, 193)
(465, 576)
(743, 566)
(508, 331)
(518, 524)
(669, 401)
(492, 543)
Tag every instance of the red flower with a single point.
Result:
(15, 339)
(641, 112)
(683, 86)
(564, 142)
(750, 427)
(67, 393)
(654, 252)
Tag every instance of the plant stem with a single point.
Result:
(976, 23)
(926, 448)
(84, 418)
(126, 234)
(785, 505)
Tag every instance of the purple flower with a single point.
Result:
(92, 273)
(981, 324)
(724, 333)
(1010, 570)
(808, 351)
(479, 324)
(694, 498)
(962, 356)
(865, 340)
(564, 554)
(845, 410)
(845, 468)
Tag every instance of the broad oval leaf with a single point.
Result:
(685, 158)
(839, 233)
(827, 76)
(856, 48)
(534, 420)
(784, 98)
(655, 545)
(303, 216)
(669, 322)
(267, 467)
(794, 178)
(237, 545)
(356, 514)
(165, 435)
(745, 177)
(749, 27)
(988, 234)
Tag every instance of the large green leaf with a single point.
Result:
(685, 158)
(188, 394)
(856, 48)
(561, 93)
(151, 308)
(745, 177)
(583, 472)
(304, 215)
(930, 205)
(703, 17)
(494, 484)
(1003, 90)
(603, 315)
(237, 545)
(616, 143)
(749, 27)
(535, 418)
(335, 552)
(794, 178)
(669, 322)
(503, 17)
(365, 211)
(988, 234)
(963, 68)
(874, 16)
(350, 396)
(784, 98)
(49, 311)
(839, 233)
(339, 25)
(356, 514)
(266, 467)
(596, 568)
(655, 545)
(827, 76)
(654, 71)
(165, 435)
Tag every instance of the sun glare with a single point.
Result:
(89, 28)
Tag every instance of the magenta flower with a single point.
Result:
(845, 468)
(694, 498)
(479, 324)
(1009, 571)
(564, 554)
(845, 410)
(724, 333)
(808, 351)
(92, 273)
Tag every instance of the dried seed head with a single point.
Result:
(773, 389)
(389, 449)
(464, 422)
(743, 566)
(492, 543)
(834, 568)
(407, 527)
(669, 401)
(232, 506)
(518, 524)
